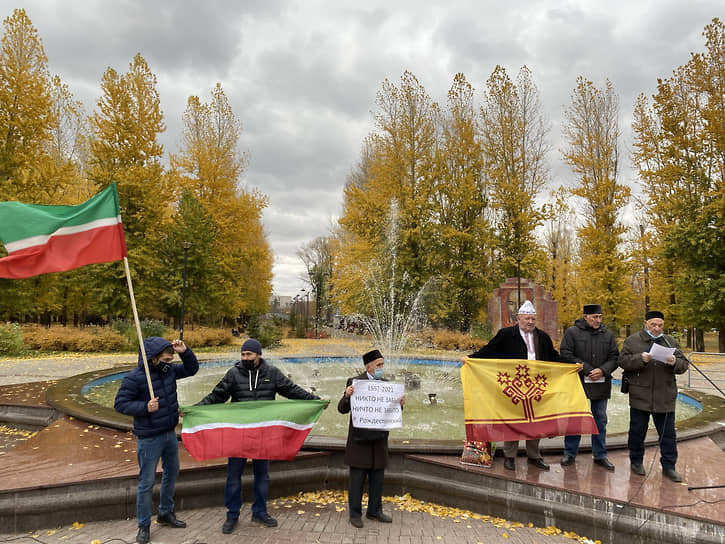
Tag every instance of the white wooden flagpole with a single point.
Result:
(138, 327)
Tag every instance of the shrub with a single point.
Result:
(451, 340)
(60, 338)
(127, 328)
(264, 329)
(97, 339)
(204, 337)
(11, 339)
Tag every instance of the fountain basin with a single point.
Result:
(438, 422)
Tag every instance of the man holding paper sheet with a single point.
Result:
(366, 452)
(589, 343)
(652, 360)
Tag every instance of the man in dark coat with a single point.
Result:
(366, 451)
(154, 422)
(652, 392)
(522, 341)
(589, 343)
(251, 379)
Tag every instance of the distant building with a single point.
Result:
(280, 305)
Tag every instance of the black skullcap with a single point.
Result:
(372, 356)
(592, 309)
(652, 314)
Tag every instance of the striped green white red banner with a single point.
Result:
(42, 239)
(260, 429)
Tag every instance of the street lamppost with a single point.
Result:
(518, 279)
(306, 294)
(186, 246)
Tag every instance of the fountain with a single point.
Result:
(395, 306)
(433, 424)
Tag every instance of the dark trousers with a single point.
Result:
(233, 488)
(665, 425)
(375, 491)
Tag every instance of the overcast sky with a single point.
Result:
(302, 76)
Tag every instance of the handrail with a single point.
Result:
(715, 371)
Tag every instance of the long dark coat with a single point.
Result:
(652, 386)
(360, 452)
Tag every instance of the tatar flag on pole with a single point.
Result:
(512, 399)
(42, 239)
(259, 429)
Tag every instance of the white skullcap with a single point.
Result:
(527, 308)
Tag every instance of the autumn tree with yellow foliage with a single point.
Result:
(461, 256)
(514, 142)
(680, 153)
(34, 164)
(397, 165)
(592, 132)
(209, 166)
(125, 149)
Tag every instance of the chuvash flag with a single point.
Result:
(259, 429)
(512, 399)
(41, 239)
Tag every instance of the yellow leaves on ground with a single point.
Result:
(16, 433)
(407, 503)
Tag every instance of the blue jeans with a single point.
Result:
(148, 451)
(599, 441)
(233, 488)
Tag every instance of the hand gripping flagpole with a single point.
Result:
(138, 328)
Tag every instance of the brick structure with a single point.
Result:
(503, 305)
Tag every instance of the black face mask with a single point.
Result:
(248, 364)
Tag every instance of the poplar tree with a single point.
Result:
(680, 153)
(26, 116)
(514, 140)
(398, 166)
(562, 252)
(210, 165)
(592, 132)
(460, 256)
(125, 149)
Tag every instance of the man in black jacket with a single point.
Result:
(592, 345)
(522, 341)
(251, 379)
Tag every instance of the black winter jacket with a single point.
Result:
(133, 396)
(262, 383)
(594, 348)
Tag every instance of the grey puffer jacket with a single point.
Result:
(262, 383)
(652, 385)
(594, 348)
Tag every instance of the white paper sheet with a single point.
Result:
(661, 353)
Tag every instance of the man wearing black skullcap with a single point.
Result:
(589, 343)
(366, 452)
(252, 378)
(652, 391)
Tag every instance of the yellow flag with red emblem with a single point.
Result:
(512, 399)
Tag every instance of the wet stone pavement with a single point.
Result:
(303, 521)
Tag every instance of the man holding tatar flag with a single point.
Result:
(251, 379)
